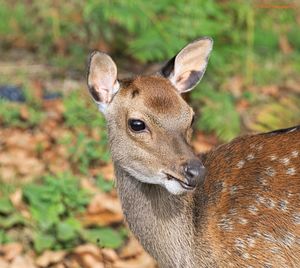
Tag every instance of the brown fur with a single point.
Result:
(246, 213)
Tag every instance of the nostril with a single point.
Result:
(193, 171)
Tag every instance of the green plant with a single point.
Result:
(85, 151)
(9, 217)
(80, 112)
(54, 206)
(218, 114)
(104, 185)
(10, 114)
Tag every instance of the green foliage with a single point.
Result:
(105, 237)
(218, 114)
(85, 151)
(9, 217)
(272, 115)
(54, 206)
(104, 185)
(4, 238)
(10, 115)
(80, 112)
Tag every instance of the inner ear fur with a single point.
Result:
(186, 69)
(102, 77)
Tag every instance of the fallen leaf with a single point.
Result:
(109, 255)
(24, 113)
(16, 198)
(107, 171)
(140, 261)
(50, 257)
(131, 249)
(88, 248)
(4, 264)
(11, 250)
(22, 262)
(284, 44)
(89, 256)
(103, 210)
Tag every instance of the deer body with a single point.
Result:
(243, 211)
(245, 214)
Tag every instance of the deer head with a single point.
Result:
(149, 123)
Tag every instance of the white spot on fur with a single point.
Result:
(259, 147)
(246, 255)
(273, 157)
(250, 157)
(239, 244)
(289, 239)
(283, 205)
(263, 181)
(295, 154)
(225, 223)
(232, 211)
(243, 221)
(224, 187)
(270, 171)
(270, 203)
(269, 238)
(234, 189)
(296, 218)
(251, 241)
(291, 171)
(275, 250)
(260, 199)
(240, 164)
(284, 160)
(253, 209)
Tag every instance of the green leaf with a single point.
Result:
(105, 237)
(6, 206)
(43, 241)
(11, 220)
(104, 185)
(68, 229)
(4, 238)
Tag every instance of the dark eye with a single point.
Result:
(136, 125)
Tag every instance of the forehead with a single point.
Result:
(156, 94)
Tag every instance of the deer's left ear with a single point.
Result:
(186, 69)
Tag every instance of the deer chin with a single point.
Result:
(176, 186)
(170, 183)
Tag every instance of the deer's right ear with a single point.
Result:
(102, 79)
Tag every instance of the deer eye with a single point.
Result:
(136, 125)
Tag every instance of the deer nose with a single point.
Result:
(194, 171)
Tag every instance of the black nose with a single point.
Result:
(194, 171)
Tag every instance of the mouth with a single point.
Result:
(183, 184)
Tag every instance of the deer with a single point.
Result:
(237, 205)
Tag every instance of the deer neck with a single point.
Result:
(162, 222)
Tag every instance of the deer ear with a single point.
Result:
(186, 69)
(102, 79)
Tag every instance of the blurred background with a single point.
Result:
(58, 205)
